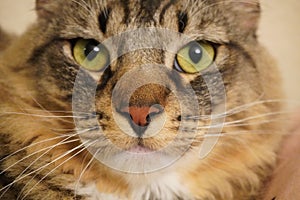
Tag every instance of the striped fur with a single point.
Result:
(42, 155)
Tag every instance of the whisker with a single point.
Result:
(237, 110)
(43, 109)
(250, 132)
(42, 116)
(7, 187)
(35, 161)
(259, 116)
(86, 7)
(236, 124)
(191, 4)
(83, 172)
(31, 145)
(41, 168)
(255, 103)
(40, 105)
(256, 123)
(60, 111)
(220, 125)
(80, 151)
(39, 151)
(62, 129)
(32, 163)
(224, 125)
(47, 140)
(57, 111)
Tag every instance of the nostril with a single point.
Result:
(152, 114)
(148, 119)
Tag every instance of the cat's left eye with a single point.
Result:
(91, 55)
(194, 57)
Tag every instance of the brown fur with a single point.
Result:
(37, 75)
(5, 40)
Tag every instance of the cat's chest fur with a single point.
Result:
(166, 186)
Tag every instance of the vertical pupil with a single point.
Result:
(91, 50)
(195, 53)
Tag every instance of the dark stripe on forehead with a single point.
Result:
(125, 4)
(150, 4)
(164, 10)
(103, 18)
(182, 21)
(148, 9)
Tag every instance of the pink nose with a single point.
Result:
(141, 116)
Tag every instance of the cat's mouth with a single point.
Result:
(141, 149)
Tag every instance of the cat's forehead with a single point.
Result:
(214, 20)
(113, 17)
(145, 10)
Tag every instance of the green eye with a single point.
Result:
(91, 55)
(195, 57)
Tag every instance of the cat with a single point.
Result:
(138, 99)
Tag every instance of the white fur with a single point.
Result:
(159, 186)
(163, 186)
(91, 193)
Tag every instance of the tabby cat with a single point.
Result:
(138, 100)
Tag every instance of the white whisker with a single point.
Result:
(42, 116)
(237, 124)
(83, 172)
(87, 144)
(36, 160)
(248, 132)
(41, 168)
(32, 163)
(83, 4)
(67, 136)
(237, 110)
(47, 149)
(31, 145)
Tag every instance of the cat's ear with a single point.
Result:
(247, 14)
(45, 8)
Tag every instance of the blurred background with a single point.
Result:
(279, 31)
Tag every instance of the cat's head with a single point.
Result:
(148, 76)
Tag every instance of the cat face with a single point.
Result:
(145, 83)
(133, 67)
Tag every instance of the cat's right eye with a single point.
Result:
(91, 55)
(194, 57)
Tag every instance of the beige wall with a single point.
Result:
(279, 32)
(16, 14)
